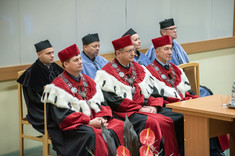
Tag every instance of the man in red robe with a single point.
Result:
(78, 107)
(171, 80)
(129, 90)
(173, 83)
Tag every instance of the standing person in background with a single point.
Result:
(90, 58)
(42, 72)
(139, 57)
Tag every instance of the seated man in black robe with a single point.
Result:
(42, 72)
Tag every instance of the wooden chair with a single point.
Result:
(44, 139)
(192, 72)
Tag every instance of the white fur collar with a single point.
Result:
(183, 87)
(109, 83)
(62, 99)
(147, 84)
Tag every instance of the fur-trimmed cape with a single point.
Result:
(60, 95)
(109, 81)
(180, 89)
(122, 97)
(73, 113)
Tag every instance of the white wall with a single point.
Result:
(9, 119)
(217, 69)
(26, 22)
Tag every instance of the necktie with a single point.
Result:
(166, 67)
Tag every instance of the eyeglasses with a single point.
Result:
(130, 51)
(175, 28)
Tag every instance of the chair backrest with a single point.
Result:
(20, 98)
(191, 70)
(23, 121)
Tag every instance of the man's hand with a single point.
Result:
(96, 122)
(148, 109)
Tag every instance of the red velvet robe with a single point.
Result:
(118, 94)
(181, 87)
(181, 84)
(72, 113)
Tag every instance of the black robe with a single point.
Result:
(33, 81)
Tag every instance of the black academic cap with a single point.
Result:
(130, 32)
(166, 23)
(42, 45)
(90, 38)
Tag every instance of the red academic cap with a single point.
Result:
(161, 41)
(68, 52)
(122, 42)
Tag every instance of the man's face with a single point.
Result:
(74, 65)
(46, 56)
(170, 31)
(126, 55)
(164, 53)
(92, 49)
(136, 41)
